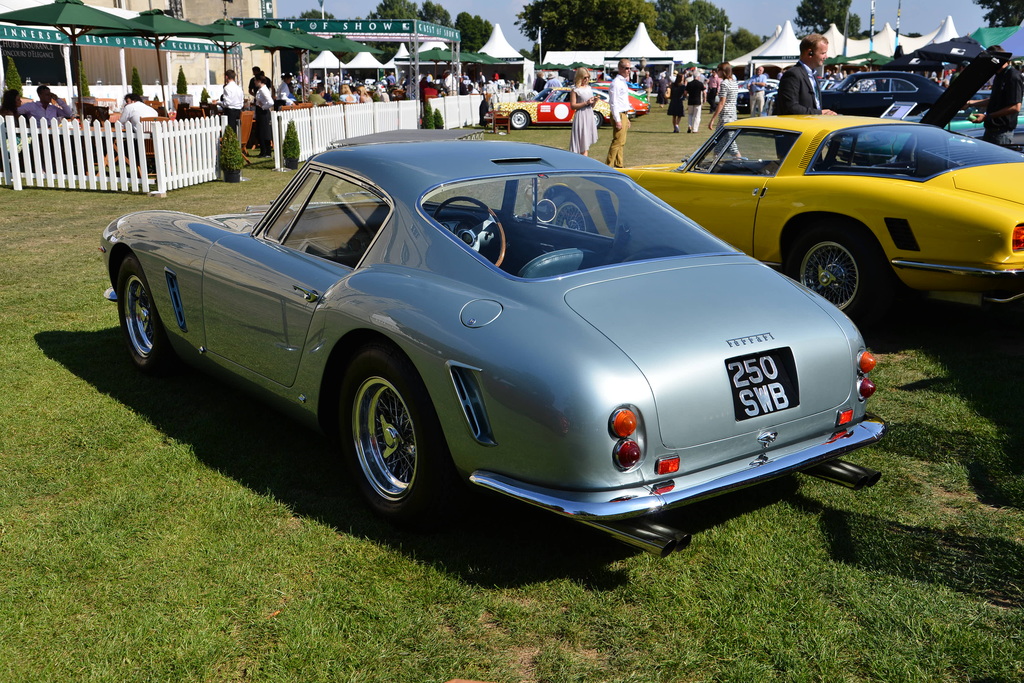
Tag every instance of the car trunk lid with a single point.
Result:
(692, 321)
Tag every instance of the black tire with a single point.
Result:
(141, 325)
(847, 268)
(392, 440)
(599, 118)
(519, 119)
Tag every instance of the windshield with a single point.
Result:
(543, 225)
(913, 151)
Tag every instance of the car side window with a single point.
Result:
(706, 161)
(295, 204)
(750, 152)
(900, 85)
(338, 222)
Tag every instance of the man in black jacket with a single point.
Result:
(799, 92)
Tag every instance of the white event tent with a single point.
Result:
(497, 46)
(639, 47)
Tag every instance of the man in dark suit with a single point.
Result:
(799, 92)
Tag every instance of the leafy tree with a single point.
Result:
(1002, 12)
(394, 9)
(582, 24)
(475, 30)
(815, 16)
(315, 14)
(678, 19)
(742, 41)
(434, 13)
(12, 79)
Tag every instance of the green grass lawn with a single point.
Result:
(175, 530)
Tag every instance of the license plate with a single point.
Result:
(763, 383)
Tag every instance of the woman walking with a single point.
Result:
(581, 101)
(725, 110)
(676, 108)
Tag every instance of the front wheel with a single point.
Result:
(519, 119)
(393, 442)
(141, 326)
(846, 268)
(599, 118)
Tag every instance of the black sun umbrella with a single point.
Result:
(73, 18)
(953, 51)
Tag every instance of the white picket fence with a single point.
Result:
(160, 156)
(319, 127)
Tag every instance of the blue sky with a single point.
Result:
(759, 16)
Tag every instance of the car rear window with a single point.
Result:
(908, 151)
(542, 225)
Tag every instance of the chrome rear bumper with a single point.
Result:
(623, 504)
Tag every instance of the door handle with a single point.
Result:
(310, 295)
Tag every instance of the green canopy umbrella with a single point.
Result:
(340, 43)
(437, 55)
(226, 35)
(550, 66)
(276, 38)
(157, 28)
(870, 58)
(838, 59)
(581, 65)
(73, 18)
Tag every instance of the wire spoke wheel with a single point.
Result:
(385, 438)
(830, 270)
(138, 316)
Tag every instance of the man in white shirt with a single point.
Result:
(618, 101)
(284, 92)
(232, 99)
(135, 110)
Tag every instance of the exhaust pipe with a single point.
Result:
(648, 536)
(845, 474)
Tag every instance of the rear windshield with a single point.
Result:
(544, 225)
(911, 151)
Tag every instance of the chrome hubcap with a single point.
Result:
(384, 438)
(138, 316)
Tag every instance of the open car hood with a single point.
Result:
(963, 88)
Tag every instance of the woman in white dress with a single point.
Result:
(581, 101)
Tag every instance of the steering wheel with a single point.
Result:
(478, 237)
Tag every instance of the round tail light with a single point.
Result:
(623, 422)
(866, 362)
(866, 388)
(627, 454)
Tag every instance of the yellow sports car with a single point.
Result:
(857, 209)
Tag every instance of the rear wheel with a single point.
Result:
(143, 330)
(599, 118)
(519, 119)
(845, 267)
(393, 442)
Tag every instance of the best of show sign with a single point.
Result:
(41, 35)
(363, 29)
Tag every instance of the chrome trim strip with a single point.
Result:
(956, 270)
(633, 502)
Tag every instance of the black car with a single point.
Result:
(870, 93)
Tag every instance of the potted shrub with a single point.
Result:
(204, 97)
(231, 159)
(438, 119)
(182, 97)
(12, 79)
(136, 81)
(290, 149)
(428, 116)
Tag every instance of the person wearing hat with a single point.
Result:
(284, 92)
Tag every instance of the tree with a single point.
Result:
(678, 19)
(583, 24)
(315, 14)
(815, 16)
(394, 9)
(434, 13)
(474, 29)
(83, 80)
(1002, 12)
(136, 81)
(741, 42)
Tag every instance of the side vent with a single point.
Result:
(812, 147)
(902, 235)
(175, 293)
(468, 391)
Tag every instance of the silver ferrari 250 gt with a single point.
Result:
(514, 316)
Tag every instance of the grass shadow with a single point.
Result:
(503, 542)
